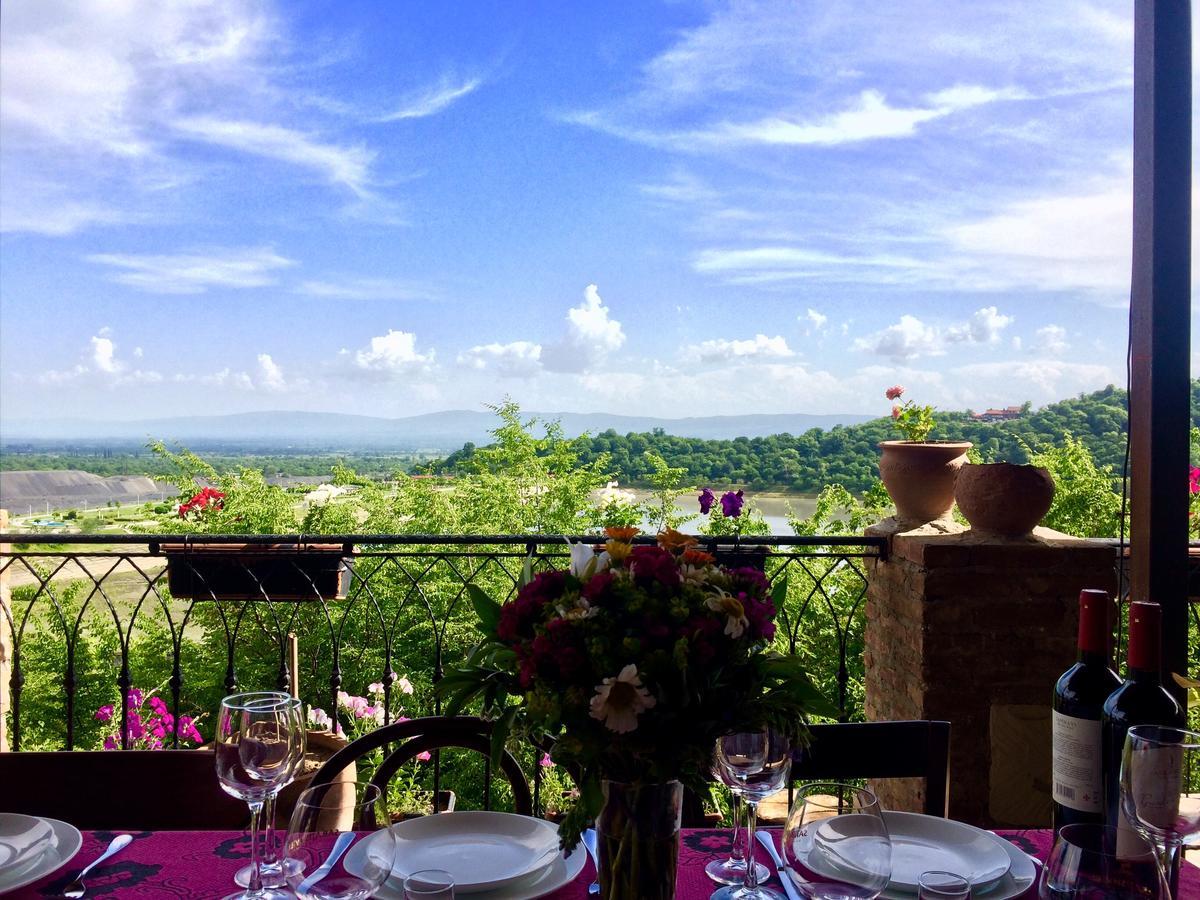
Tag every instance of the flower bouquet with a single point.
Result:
(632, 663)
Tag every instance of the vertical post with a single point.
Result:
(6, 638)
(293, 656)
(1160, 387)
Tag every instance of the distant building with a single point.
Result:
(997, 415)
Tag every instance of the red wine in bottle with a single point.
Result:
(1140, 700)
(1079, 695)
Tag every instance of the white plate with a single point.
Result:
(22, 839)
(561, 872)
(482, 850)
(68, 840)
(1020, 878)
(927, 843)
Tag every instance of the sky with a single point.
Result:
(671, 209)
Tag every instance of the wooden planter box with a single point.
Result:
(735, 557)
(257, 571)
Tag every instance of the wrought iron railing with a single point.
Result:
(92, 616)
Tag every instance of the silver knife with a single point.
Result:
(769, 845)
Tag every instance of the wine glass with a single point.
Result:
(943, 886)
(759, 763)
(255, 742)
(1098, 862)
(272, 869)
(836, 844)
(321, 832)
(732, 870)
(1154, 790)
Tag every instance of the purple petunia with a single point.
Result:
(731, 504)
(707, 498)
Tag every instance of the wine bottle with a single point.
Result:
(1140, 700)
(1079, 695)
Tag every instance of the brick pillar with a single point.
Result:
(6, 638)
(975, 630)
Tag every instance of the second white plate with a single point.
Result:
(68, 840)
(927, 843)
(1021, 875)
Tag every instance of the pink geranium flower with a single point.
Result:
(894, 392)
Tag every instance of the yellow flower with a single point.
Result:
(618, 550)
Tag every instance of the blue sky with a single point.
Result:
(661, 208)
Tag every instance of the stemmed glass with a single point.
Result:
(1154, 790)
(255, 741)
(759, 763)
(321, 832)
(836, 844)
(272, 869)
(1099, 862)
(732, 870)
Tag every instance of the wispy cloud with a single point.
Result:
(346, 165)
(195, 273)
(365, 289)
(517, 359)
(725, 350)
(911, 338)
(431, 100)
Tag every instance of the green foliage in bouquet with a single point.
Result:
(633, 662)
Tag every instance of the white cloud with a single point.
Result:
(591, 336)
(432, 99)
(101, 365)
(347, 166)
(270, 374)
(910, 338)
(1051, 340)
(518, 359)
(225, 378)
(195, 273)
(390, 355)
(365, 289)
(722, 350)
(103, 355)
(1045, 379)
(816, 321)
(984, 327)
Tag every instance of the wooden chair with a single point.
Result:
(144, 790)
(912, 749)
(423, 735)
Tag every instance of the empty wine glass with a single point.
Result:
(943, 886)
(255, 741)
(1099, 862)
(332, 862)
(732, 870)
(429, 884)
(1154, 790)
(759, 763)
(272, 868)
(836, 844)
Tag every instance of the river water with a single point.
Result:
(774, 507)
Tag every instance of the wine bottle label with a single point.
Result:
(1156, 780)
(1076, 763)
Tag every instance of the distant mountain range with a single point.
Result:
(440, 431)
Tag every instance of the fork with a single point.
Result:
(76, 888)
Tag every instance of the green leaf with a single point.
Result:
(527, 570)
(500, 731)
(487, 609)
(779, 592)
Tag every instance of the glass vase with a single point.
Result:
(638, 834)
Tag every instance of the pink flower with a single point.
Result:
(546, 762)
(896, 412)
(110, 743)
(104, 713)
(1194, 480)
(894, 392)
(425, 756)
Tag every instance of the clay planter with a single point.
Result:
(919, 477)
(1002, 498)
(321, 745)
(257, 571)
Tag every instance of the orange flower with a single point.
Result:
(698, 558)
(624, 534)
(675, 541)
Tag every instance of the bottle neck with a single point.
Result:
(1145, 676)
(1093, 658)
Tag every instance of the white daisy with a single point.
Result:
(618, 701)
(735, 621)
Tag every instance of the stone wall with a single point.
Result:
(975, 630)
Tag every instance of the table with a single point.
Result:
(199, 865)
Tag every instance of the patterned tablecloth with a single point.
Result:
(199, 865)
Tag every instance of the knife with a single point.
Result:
(769, 845)
(344, 840)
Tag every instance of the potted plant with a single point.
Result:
(919, 474)
(1003, 498)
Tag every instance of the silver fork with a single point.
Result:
(76, 888)
(589, 841)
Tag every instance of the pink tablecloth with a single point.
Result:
(199, 865)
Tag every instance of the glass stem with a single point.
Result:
(751, 883)
(254, 888)
(269, 857)
(737, 854)
(1169, 856)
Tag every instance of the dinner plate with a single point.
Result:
(482, 850)
(927, 843)
(68, 840)
(22, 838)
(1021, 875)
(559, 873)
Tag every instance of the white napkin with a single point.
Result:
(22, 839)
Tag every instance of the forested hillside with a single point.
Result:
(849, 455)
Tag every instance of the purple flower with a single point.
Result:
(110, 743)
(135, 698)
(731, 504)
(706, 498)
(546, 762)
(105, 712)
(157, 705)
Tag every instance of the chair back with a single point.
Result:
(874, 750)
(127, 790)
(429, 735)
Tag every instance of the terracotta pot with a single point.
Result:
(919, 477)
(321, 746)
(1002, 498)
